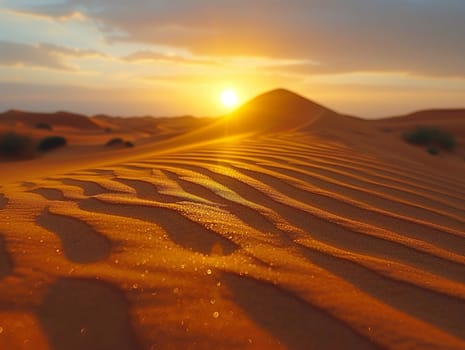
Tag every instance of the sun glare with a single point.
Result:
(229, 98)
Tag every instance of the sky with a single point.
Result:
(370, 58)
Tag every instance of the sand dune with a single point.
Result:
(280, 110)
(434, 115)
(450, 120)
(283, 226)
(30, 119)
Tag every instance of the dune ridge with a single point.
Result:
(31, 119)
(303, 233)
(278, 110)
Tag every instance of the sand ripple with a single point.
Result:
(285, 241)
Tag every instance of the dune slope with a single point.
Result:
(278, 110)
(308, 237)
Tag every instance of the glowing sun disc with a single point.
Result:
(229, 98)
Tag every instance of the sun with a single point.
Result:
(229, 98)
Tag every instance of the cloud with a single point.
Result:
(42, 55)
(66, 51)
(236, 63)
(420, 37)
(61, 10)
(12, 54)
(152, 56)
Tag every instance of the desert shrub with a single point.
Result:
(51, 142)
(16, 146)
(115, 141)
(445, 140)
(433, 150)
(429, 136)
(44, 126)
(118, 141)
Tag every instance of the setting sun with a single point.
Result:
(229, 98)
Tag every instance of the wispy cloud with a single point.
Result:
(67, 51)
(153, 56)
(42, 55)
(12, 54)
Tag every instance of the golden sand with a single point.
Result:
(314, 231)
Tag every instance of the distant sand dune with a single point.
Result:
(321, 232)
(75, 121)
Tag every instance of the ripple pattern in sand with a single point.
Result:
(278, 242)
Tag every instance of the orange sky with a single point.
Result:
(370, 58)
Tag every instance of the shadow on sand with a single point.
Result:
(295, 323)
(86, 314)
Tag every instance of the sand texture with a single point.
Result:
(283, 226)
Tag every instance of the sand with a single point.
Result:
(287, 227)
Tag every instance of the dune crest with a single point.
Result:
(277, 110)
